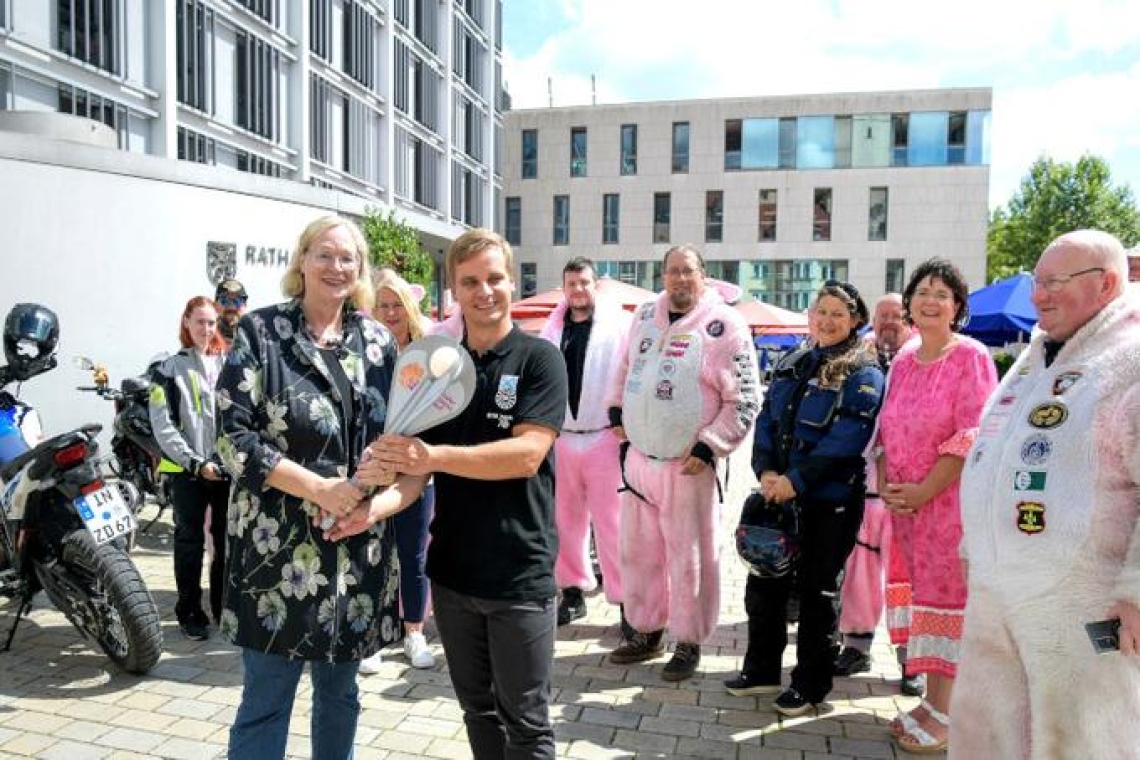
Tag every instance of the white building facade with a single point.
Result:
(397, 100)
(779, 193)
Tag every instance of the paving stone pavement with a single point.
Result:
(60, 698)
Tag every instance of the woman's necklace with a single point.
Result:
(330, 337)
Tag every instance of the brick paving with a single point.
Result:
(59, 698)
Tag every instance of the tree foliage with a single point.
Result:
(392, 243)
(1055, 198)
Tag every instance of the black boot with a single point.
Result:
(639, 648)
(572, 607)
(686, 657)
(627, 630)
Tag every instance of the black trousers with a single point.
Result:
(828, 532)
(191, 497)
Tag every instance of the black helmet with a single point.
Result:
(31, 332)
(767, 538)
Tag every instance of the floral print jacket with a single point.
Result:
(288, 590)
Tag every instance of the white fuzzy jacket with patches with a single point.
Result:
(1091, 488)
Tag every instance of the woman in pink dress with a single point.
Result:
(930, 416)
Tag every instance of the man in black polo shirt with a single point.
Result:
(491, 557)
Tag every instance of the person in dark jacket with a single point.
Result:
(304, 389)
(816, 420)
(184, 419)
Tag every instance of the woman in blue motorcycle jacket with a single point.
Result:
(817, 417)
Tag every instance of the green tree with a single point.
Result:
(392, 243)
(1055, 198)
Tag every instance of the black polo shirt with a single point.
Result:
(495, 539)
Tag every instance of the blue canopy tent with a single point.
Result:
(1003, 312)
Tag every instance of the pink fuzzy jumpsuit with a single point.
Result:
(587, 471)
(679, 384)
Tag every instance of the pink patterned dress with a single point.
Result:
(931, 409)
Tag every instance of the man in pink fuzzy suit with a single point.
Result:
(686, 395)
(1051, 535)
(590, 331)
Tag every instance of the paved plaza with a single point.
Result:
(60, 699)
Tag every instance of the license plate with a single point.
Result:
(106, 514)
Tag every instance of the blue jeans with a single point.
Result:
(411, 527)
(500, 655)
(261, 726)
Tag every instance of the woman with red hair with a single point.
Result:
(184, 418)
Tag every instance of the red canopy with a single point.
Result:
(766, 319)
(542, 304)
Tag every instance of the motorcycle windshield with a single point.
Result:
(12, 443)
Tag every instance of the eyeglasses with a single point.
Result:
(325, 259)
(231, 302)
(1055, 283)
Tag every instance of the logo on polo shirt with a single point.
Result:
(508, 393)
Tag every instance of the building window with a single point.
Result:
(821, 214)
(578, 152)
(90, 31)
(195, 147)
(562, 220)
(896, 272)
(320, 28)
(528, 276)
(196, 55)
(900, 126)
(248, 162)
(767, 215)
(956, 138)
(324, 100)
(628, 149)
(877, 214)
(529, 153)
(5, 85)
(661, 214)
(78, 102)
(361, 31)
(927, 133)
(786, 145)
(815, 142)
(732, 144)
(514, 220)
(258, 71)
(467, 56)
(611, 217)
(714, 216)
(680, 147)
(268, 11)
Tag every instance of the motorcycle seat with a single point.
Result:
(87, 432)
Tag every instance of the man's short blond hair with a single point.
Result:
(471, 244)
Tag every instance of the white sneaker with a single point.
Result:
(371, 665)
(417, 652)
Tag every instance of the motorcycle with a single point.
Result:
(136, 452)
(63, 528)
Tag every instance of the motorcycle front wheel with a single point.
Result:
(106, 599)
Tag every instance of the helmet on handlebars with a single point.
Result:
(31, 332)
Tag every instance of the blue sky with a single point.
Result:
(1065, 74)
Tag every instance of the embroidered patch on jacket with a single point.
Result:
(667, 368)
(1064, 381)
(1030, 517)
(644, 345)
(664, 391)
(1036, 449)
(1048, 415)
(1029, 480)
(715, 328)
(508, 393)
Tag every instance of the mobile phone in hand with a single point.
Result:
(1105, 635)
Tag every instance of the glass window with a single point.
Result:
(681, 147)
(514, 220)
(628, 149)
(767, 215)
(732, 138)
(871, 140)
(361, 30)
(529, 275)
(956, 138)
(821, 214)
(896, 274)
(788, 143)
(257, 79)
(529, 153)
(89, 30)
(611, 217)
(195, 54)
(898, 139)
(578, 152)
(815, 142)
(761, 144)
(842, 142)
(978, 138)
(562, 220)
(926, 136)
(714, 216)
(661, 215)
(877, 214)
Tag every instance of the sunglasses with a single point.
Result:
(232, 302)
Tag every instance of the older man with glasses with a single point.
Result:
(1051, 531)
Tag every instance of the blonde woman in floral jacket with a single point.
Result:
(303, 391)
